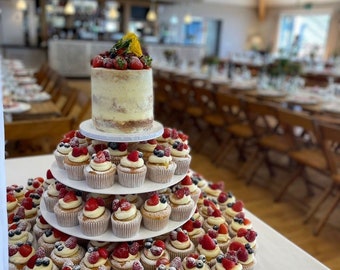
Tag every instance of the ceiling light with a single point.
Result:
(69, 8)
(21, 5)
(188, 18)
(151, 16)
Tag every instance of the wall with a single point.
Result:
(238, 23)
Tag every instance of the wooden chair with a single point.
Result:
(42, 72)
(305, 150)
(81, 108)
(66, 98)
(162, 95)
(330, 141)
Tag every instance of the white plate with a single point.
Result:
(332, 108)
(18, 107)
(42, 96)
(108, 236)
(25, 80)
(148, 185)
(87, 128)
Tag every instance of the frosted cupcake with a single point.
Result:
(224, 198)
(179, 244)
(124, 256)
(34, 183)
(165, 138)
(221, 235)
(49, 238)
(75, 163)
(194, 229)
(117, 150)
(194, 190)
(213, 190)
(215, 218)
(239, 221)
(246, 237)
(51, 195)
(49, 179)
(40, 261)
(19, 255)
(153, 250)
(207, 207)
(81, 138)
(181, 204)
(109, 246)
(40, 226)
(70, 249)
(125, 218)
(108, 198)
(180, 155)
(195, 261)
(96, 146)
(18, 236)
(156, 212)
(198, 180)
(67, 209)
(135, 199)
(208, 247)
(62, 150)
(244, 253)
(95, 258)
(160, 166)
(131, 170)
(30, 210)
(101, 171)
(11, 203)
(227, 261)
(147, 147)
(94, 218)
(18, 191)
(232, 209)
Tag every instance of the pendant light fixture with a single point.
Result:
(151, 16)
(187, 17)
(69, 8)
(21, 5)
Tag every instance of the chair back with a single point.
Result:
(231, 107)
(206, 99)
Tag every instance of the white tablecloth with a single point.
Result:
(275, 251)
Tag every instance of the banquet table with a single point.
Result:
(275, 251)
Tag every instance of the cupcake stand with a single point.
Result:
(89, 131)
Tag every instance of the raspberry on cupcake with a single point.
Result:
(156, 212)
(125, 255)
(95, 258)
(132, 170)
(94, 218)
(67, 209)
(181, 204)
(117, 151)
(179, 244)
(125, 218)
(160, 166)
(100, 173)
(75, 163)
(153, 250)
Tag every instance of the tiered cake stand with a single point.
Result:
(88, 130)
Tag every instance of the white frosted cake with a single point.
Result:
(122, 88)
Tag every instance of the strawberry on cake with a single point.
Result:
(101, 171)
(179, 244)
(132, 170)
(125, 255)
(95, 258)
(94, 218)
(122, 88)
(125, 218)
(153, 250)
(208, 247)
(194, 190)
(165, 138)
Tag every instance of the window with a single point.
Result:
(304, 34)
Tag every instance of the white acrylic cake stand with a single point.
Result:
(88, 129)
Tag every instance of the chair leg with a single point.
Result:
(246, 167)
(257, 163)
(310, 191)
(297, 174)
(224, 151)
(323, 220)
(316, 206)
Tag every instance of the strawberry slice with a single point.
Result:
(188, 226)
(121, 251)
(70, 196)
(223, 229)
(153, 200)
(25, 250)
(91, 204)
(207, 242)
(182, 237)
(160, 243)
(186, 181)
(103, 252)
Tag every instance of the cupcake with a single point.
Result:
(100, 173)
(51, 195)
(21, 225)
(208, 247)
(62, 150)
(67, 209)
(18, 236)
(244, 253)
(198, 180)
(160, 166)
(239, 221)
(153, 250)
(156, 212)
(19, 255)
(40, 261)
(34, 183)
(221, 235)
(215, 218)
(49, 238)
(95, 258)
(181, 204)
(194, 229)
(81, 138)
(109, 246)
(40, 226)
(224, 198)
(49, 179)
(75, 163)
(227, 261)
(135, 199)
(108, 198)
(36, 195)
(96, 146)
(69, 249)
(179, 244)
(94, 218)
(131, 170)
(124, 256)
(180, 155)
(194, 190)
(232, 210)
(246, 237)
(178, 136)
(117, 150)
(18, 191)
(165, 138)
(146, 147)
(195, 261)
(213, 190)
(11, 202)
(30, 209)
(125, 218)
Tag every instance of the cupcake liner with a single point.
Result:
(116, 159)
(183, 165)
(67, 218)
(75, 172)
(156, 221)
(50, 202)
(100, 180)
(94, 227)
(161, 174)
(59, 158)
(182, 212)
(131, 179)
(174, 252)
(48, 247)
(125, 229)
(76, 258)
